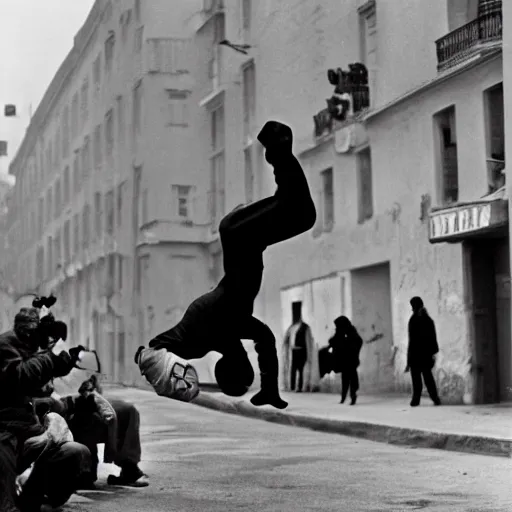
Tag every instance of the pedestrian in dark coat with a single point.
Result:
(421, 352)
(346, 346)
(24, 371)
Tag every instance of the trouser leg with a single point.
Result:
(293, 372)
(345, 384)
(8, 473)
(417, 385)
(354, 383)
(265, 346)
(55, 477)
(430, 384)
(286, 214)
(128, 433)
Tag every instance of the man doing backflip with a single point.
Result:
(218, 320)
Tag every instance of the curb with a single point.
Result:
(370, 431)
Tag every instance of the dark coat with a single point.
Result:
(23, 373)
(346, 347)
(422, 340)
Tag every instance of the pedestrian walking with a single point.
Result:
(346, 346)
(299, 353)
(218, 320)
(421, 352)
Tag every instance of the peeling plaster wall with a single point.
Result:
(403, 177)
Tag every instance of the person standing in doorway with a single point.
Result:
(346, 346)
(298, 348)
(421, 352)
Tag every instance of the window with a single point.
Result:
(460, 13)
(85, 100)
(76, 234)
(67, 241)
(182, 197)
(217, 167)
(86, 226)
(365, 187)
(137, 180)
(57, 148)
(368, 41)
(495, 137)
(327, 200)
(142, 282)
(137, 110)
(219, 34)
(40, 264)
(65, 132)
(58, 199)
(57, 249)
(119, 213)
(86, 159)
(111, 273)
(49, 259)
(97, 214)
(49, 205)
(136, 10)
(67, 186)
(249, 175)
(96, 73)
(119, 284)
(178, 108)
(139, 37)
(76, 173)
(109, 50)
(447, 161)
(246, 18)
(109, 208)
(120, 119)
(249, 93)
(74, 116)
(97, 146)
(40, 216)
(109, 133)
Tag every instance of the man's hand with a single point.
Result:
(59, 347)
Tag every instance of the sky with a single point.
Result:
(36, 36)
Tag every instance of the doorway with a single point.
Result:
(489, 299)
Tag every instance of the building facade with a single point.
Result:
(399, 121)
(103, 208)
(408, 180)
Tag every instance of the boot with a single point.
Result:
(269, 394)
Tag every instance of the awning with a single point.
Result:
(474, 218)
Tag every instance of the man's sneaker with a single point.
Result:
(265, 398)
(141, 481)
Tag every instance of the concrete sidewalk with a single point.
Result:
(485, 430)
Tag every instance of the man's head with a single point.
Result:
(26, 325)
(416, 304)
(234, 374)
(342, 324)
(296, 312)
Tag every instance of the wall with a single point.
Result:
(403, 177)
(371, 295)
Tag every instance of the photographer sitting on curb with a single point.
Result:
(26, 365)
(95, 420)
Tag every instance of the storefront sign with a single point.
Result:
(456, 222)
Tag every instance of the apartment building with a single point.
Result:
(103, 193)
(408, 173)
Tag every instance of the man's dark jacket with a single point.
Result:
(422, 340)
(23, 373)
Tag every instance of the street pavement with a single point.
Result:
(204, 460)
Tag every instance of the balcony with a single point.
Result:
(483, 33)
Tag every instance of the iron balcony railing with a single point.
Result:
(458, 44)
